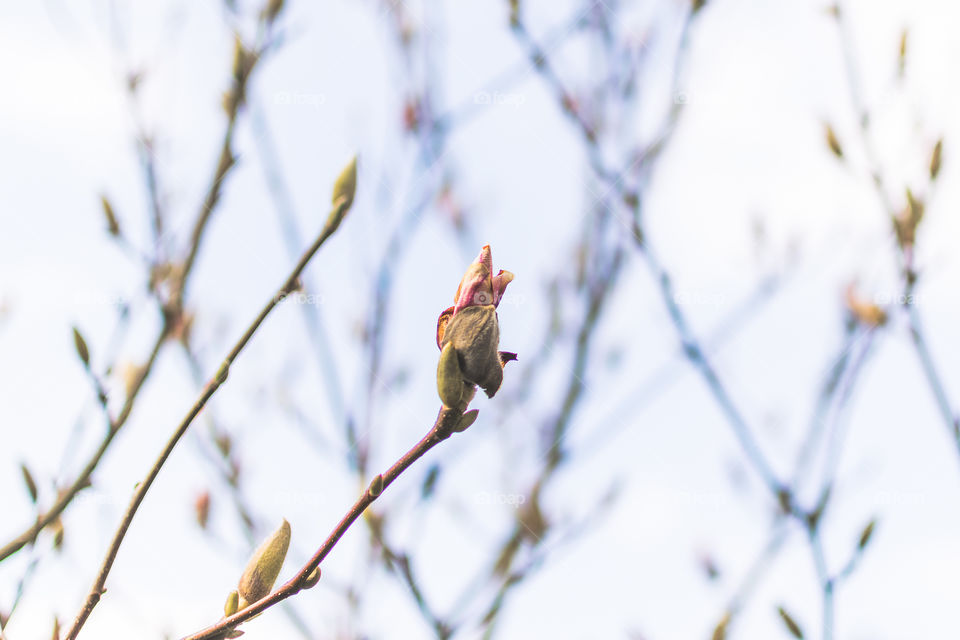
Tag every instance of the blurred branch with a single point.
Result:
(698, 358)
(289, 285)
(66, 496)
(287, 219)
(906, 237)
(172, 309)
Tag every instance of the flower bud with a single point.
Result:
(232, 604)
(832, 141)
(466, 420)
(376, 486)
(475, 334)
(264, 566)
(113, 227)
(935, 159)
(312, 579)
(83, 352)
(449, 378)
(29, 481)
(346, 185)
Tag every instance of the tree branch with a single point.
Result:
(290, 285)
(443, 428)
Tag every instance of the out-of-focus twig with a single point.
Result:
(289, 285)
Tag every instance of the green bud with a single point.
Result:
(223, 372)
(346, 185)
(832, 141)
(231, 606)
(113, 227)
(935, 159)
(466, 420)
(475, 334)
(376, 486)
(790, 623)
(449, 378)
(81, 346)
(312, 579)
(28, 480)
(866, 534)
(264, 566)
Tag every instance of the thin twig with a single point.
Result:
(29, 535)
(290, 285)
(443, 427)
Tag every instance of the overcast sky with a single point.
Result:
(761, 79)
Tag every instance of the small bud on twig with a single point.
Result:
(312, 579)
(864, 312)
(81, 346)
(113, 227)
(232, 604)
(832, 141)
(466, 420)
(902, 54)
(866, 534)
(345, 186)
(201, 507)
(935, 159)
(376, 486)
(57, 527)
(28, 480)
(790, 623)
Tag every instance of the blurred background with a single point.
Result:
(733, 229)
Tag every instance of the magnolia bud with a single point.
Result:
(475, 334)
(449, 378)
(264, 566)
(346, 184)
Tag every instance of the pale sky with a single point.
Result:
(761, 80)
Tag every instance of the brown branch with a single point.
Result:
(443, 428)
(218, 379)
